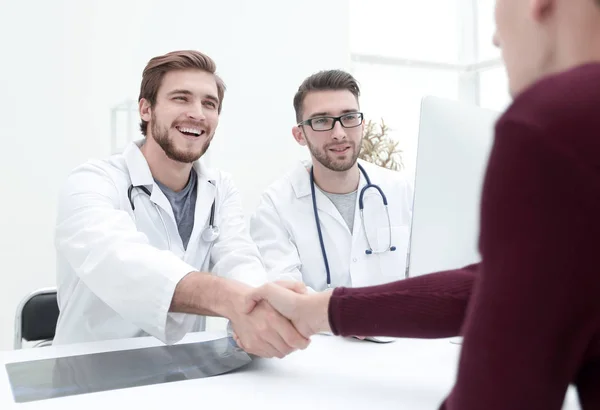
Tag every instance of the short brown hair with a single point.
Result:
(325, 81)
(157, 67)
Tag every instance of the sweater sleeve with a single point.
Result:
(428, 306)
(534, 308)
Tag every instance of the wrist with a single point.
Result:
(230, 298)
(321, 307)
(201, 293)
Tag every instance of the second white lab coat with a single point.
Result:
(284, 228)
(117, 268)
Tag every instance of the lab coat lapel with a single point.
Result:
(159, 198)
(140, 175)
(205, 195)
(324, 205)
(358, 231)
(300, 178)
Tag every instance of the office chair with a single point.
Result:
(36, 318)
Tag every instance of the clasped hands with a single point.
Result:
(279, 318)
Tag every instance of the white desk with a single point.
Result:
(333, 373)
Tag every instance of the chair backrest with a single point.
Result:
(36, 318)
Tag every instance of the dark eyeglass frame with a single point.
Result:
(335, 119)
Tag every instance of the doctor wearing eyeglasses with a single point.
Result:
(335, 220)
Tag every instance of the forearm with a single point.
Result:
(428, 306)
(204, 294)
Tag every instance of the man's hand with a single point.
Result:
(258, 328)
(266, 333)
(307, 312)
(255, 297)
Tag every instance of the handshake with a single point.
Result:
(278, 318)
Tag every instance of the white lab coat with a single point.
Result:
(284, 228)
(116, 273)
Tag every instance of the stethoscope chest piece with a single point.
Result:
(210, 233)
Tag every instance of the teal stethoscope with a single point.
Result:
(369, 250)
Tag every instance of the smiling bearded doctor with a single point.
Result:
(326, 223)
(138, 232)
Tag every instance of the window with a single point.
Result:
(485, 30)
(405, 29)
(493, 89)
(405, 50)
(394, 94)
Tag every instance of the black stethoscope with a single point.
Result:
(369, 250)
(209, 234)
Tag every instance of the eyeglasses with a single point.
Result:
(350, 120)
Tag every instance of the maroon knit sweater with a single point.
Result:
(530, 312)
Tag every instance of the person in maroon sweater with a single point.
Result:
(530, 311)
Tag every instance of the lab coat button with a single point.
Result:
(354, 259)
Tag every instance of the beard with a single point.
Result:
(340, 165)
(161, 136)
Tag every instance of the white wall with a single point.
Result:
(65, 63)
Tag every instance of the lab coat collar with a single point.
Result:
(139, 173)
(301, 185)
(300, 178)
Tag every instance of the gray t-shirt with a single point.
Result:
(184, 206)
(345, 204)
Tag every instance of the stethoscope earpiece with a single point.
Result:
(370, 251)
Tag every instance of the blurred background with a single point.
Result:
(70, 74)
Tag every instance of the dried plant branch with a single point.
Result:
(379, 148)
